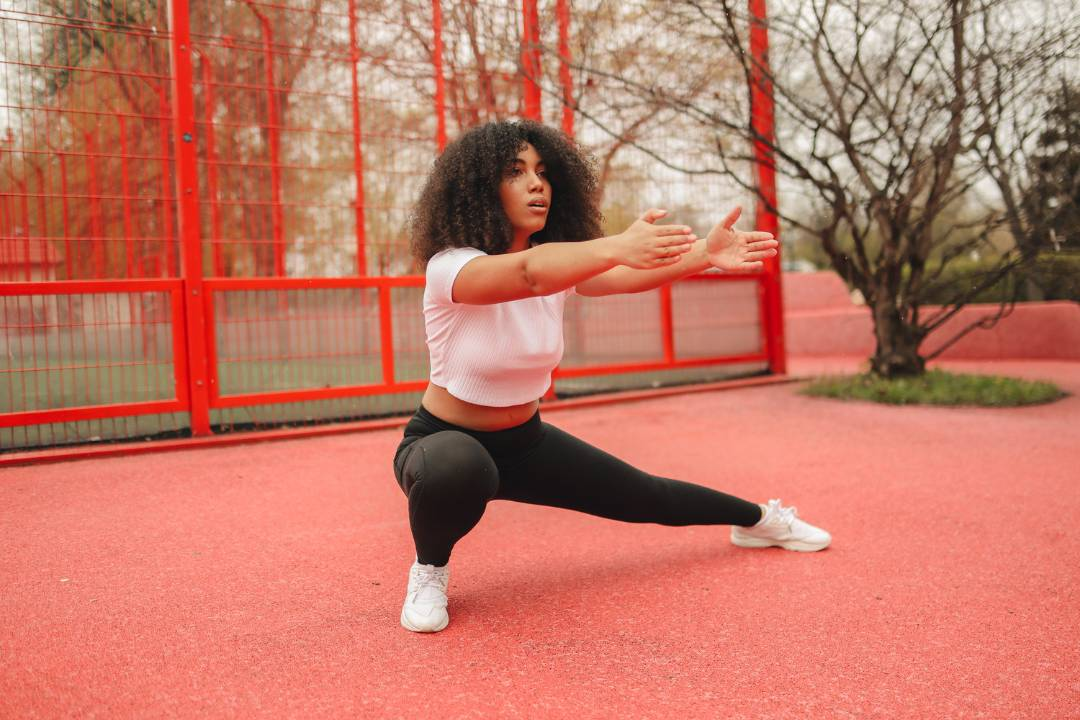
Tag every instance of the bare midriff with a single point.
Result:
(440, 403)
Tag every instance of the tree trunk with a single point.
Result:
(897, 351)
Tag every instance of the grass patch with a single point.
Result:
(936, 387)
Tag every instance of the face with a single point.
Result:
(526, 194)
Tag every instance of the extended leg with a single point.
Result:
(566, 472)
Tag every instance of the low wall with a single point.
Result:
(821, 319)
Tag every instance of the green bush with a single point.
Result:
(1058, 276)
(1053, 276)
(935, 387)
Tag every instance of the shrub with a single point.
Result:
(935, 387)
(1053, 276)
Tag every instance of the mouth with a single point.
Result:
(538, 204)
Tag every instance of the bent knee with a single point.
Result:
(457, 464)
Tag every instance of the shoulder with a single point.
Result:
(451, 255)
(443, 268)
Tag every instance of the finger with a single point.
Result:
(652, 215)
(758, 235)
(665, 230)
(731, 217)
(760, 255)
(763, 245)
(678, 240)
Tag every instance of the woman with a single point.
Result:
(502, 227)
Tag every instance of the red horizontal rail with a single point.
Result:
(112, 364)
(330, 393)
(75, 287)
(90, 412)
(271, 283)
(82, 452)
(35, 238)
(227, 284)
(620, 368)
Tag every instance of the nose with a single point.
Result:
(535, 182)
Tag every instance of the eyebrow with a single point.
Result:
(519, 161)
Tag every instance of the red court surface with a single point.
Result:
(265, 581)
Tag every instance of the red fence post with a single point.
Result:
(440, 82)
(358, 150)
(667, 323)
(187, 181)
(565, 79)
(530, 58)
(761, 122)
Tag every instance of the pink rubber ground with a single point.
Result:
(265, 581)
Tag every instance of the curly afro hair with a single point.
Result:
(460, 205)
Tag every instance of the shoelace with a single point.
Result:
(787, 515)
(434, 578)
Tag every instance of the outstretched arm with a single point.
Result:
(552, 267)
(724, 247)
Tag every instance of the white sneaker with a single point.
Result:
(425, 601)
(781, 527)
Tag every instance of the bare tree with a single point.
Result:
(889, 115)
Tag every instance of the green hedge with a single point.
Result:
(936, 387)
(1053, 276)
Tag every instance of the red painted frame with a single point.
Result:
(192, 295)
(762, 114)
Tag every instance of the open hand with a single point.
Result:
(731, 249)
(646, 245)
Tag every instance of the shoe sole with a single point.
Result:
(796, 545)
(405, 624)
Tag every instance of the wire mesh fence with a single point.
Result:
(203, 206)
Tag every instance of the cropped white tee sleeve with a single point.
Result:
(496, 355)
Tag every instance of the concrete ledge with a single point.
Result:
(1049, 330)
(820, 319)
(1033, 330)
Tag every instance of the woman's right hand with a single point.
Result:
(646, 245)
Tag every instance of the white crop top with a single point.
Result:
(496, 355)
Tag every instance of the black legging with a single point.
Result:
(450, 473)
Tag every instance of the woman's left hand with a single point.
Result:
(731, 249)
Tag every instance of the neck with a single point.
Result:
(520, 242)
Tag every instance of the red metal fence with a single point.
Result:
(202, 212)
